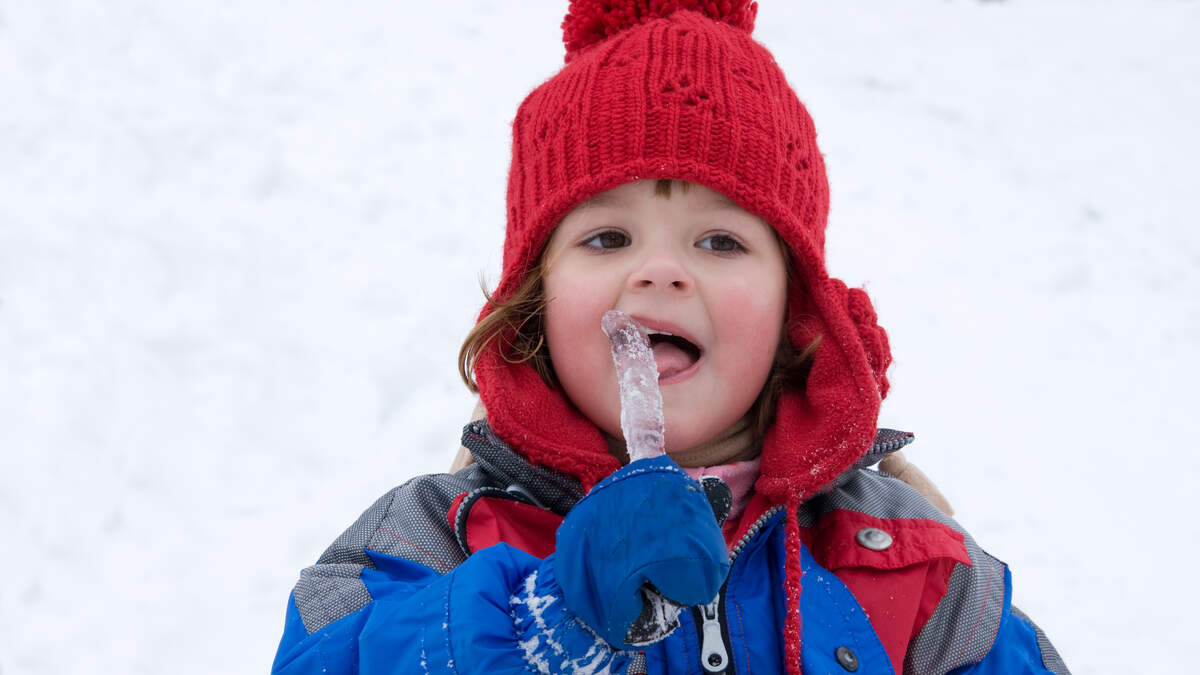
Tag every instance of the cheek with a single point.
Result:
(572, 317)
(749, 320)
(579, 351)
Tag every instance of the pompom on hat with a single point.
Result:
(679, 89)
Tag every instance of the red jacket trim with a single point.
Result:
(898, 587)
(484, 518)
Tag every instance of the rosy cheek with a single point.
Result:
(752, 320)
(747, 308)
(574, 315)
(578, 348)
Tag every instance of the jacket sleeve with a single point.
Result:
(377, 599)
(1019, 648)
(419, 621)
(395, 594)
(973, 627)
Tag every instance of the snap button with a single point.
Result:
(720, 497)
(846, 659)
(873, 538)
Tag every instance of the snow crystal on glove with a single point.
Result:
(554, 641)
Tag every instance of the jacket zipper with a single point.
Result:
(714, 650)
(887, 447)
(713, 627)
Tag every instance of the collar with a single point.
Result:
(559, 492)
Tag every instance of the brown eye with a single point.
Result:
(721, 243)
(608, 239)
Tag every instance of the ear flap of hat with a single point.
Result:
(540, 422)
(821, 431)
(872, 336)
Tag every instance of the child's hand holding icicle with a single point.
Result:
(639, 547)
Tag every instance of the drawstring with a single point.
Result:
(792, 573)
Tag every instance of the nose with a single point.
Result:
(661, 270)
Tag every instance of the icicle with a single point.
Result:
(637, 378)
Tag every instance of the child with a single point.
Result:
(667, 171)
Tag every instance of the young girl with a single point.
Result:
(667, 171)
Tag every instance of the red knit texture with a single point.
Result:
(792, 626)
(590, 22)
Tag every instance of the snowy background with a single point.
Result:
(240, 244)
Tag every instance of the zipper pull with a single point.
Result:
(713, 656)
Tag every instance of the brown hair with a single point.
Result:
(518, 323)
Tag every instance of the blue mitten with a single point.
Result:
(642, 544)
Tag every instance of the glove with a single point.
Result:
(640, 546)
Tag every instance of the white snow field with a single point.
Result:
(240, 243)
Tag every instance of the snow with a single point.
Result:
(240, 245)
(543, 646)
(661, 619)
(637, 380)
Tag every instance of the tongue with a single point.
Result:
(670, 359)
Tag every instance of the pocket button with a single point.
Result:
(846, 659)
(873, 538)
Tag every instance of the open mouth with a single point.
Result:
(672, 354)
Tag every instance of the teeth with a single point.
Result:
(663, 332)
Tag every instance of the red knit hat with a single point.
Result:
(679, 89)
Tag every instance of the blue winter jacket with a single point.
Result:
(425, 581)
